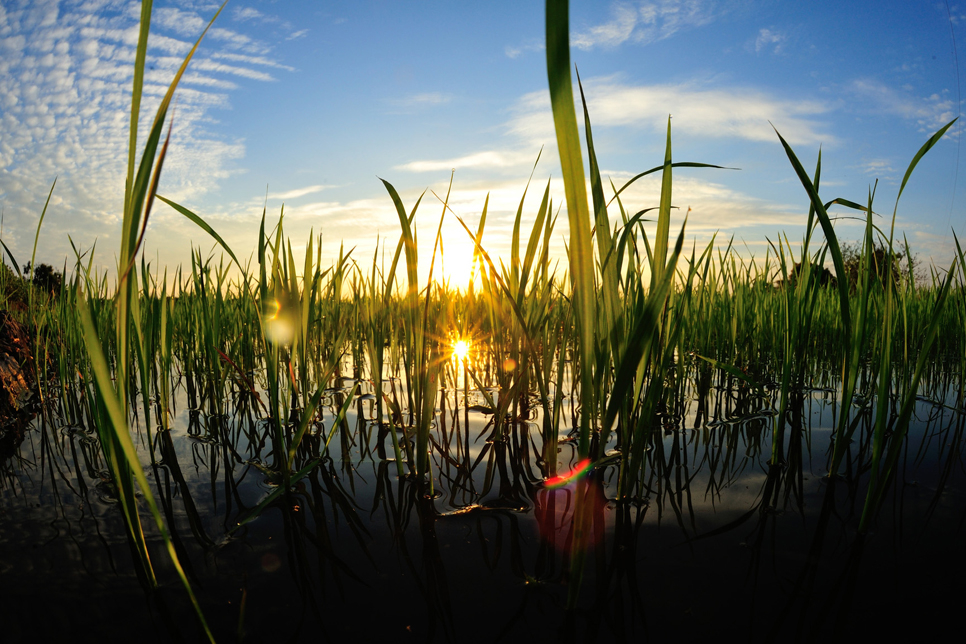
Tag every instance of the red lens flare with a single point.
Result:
(560, 480)
(566, 501)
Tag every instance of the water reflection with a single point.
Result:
(712, 539)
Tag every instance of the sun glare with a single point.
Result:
(461, 350)
(457, 264)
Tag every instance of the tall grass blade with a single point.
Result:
(118, 419)
(571, 161)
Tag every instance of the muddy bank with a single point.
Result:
(17, 381)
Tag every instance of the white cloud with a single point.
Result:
(646, 22)
(610, 34)
(245, 72)
(514, 52)
(929, 113)
(423, 100)
(488, 159)
(715, 208)
(935, 249)
(877, 167)
(697, 110)
(239, 41)
(247, 13)
(183, 23)
(65, 83)
(251, 60)
(298, 192)
(768, 37)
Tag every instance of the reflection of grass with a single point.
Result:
(112, 390)
(618, 339)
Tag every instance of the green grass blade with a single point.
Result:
(830, 237)
(933, 140)
(13, 259)
(139, 61)
(43, 213)
(405, 221)
(660, 168)
(571, 162)
(201, 223)
(120, 432)
(734, 372)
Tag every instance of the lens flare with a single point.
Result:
(271, 562)
(561, 480)
(272, 309)
(565, 502)
(279, 328)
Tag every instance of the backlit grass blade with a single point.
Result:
(639, 340)
(409, 241)
(139, 193)
(933, 140)
(30, 294)
(660, 246)
(139, 61)
(830, 238)
(201, 223)
(609, 287)
(515, 235)
(660, 168)
(626, 234)
(571, 162)
(534, 240)
(136, 195)
(13, 259)
(43, 213)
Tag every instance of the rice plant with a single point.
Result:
(547, 388)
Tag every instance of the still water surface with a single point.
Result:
(714, 544)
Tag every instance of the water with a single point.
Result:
(714, 543)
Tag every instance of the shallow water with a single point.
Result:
(715, 543)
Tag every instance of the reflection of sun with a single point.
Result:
(461, 349)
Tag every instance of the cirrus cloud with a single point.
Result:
(66, 71)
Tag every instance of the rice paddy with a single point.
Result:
(646, 440)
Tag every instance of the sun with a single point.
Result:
(458, 264)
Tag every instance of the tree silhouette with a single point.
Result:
(47, 279)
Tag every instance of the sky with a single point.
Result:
(307, 105)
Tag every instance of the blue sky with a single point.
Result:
(310, 103)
